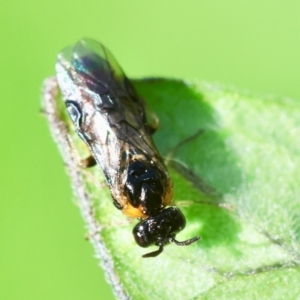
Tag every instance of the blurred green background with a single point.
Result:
(254, 45)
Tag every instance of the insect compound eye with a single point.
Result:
(160, 228)
(144, 186)
(75, 112)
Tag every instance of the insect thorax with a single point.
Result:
(146, 187)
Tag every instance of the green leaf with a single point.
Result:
(237, 183)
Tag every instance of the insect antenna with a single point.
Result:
(155, 253)
(187, 242)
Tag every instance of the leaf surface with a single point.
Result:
(236, 181)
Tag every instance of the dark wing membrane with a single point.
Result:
(97, 67)
(107, 113)
(92, 67)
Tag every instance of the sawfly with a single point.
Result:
(109, 116)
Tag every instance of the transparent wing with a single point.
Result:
(107, 113)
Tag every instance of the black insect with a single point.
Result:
(110, 118)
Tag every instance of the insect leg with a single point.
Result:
(153, 120)
(88, 162)
(152, 128)
(199, 184)
(226, 206)
(183, 142)
(194, 179)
